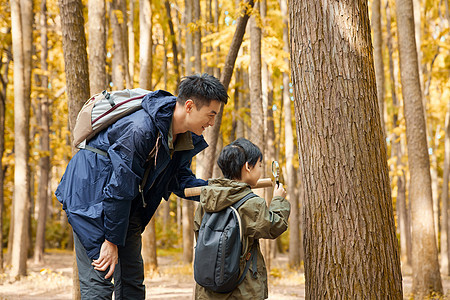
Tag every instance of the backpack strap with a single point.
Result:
(246, 197)
(251, 257)
(95, 150)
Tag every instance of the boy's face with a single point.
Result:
(255, 173)
(200, 119)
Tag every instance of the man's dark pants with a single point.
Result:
(128, 274)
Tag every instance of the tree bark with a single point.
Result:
(149, 247)
(426, 278)
(97, 46)
(145, 44)
(118, 19)
(197, 37)
(294, 226)
(445, 244)
(77, 74)
(174, 43)
(350, 251)
(378, 57)
(21, 20)
(44, 161)
(4, 84)
(188, 17)
(403, 212)
(188, 230)
(131, 44)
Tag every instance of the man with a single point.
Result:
(102, 196)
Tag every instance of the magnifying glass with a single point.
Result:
(276, 171)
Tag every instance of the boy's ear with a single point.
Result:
(247, 167)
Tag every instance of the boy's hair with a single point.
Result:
(234, 156)
(202, 89)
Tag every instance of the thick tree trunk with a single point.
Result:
(21, 20)
(378, 57)
(77, 74)
(145, 44)
(351, 252)
(44, 161)
(426, 278)
(97, 46)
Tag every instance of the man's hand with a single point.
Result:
(108, 258)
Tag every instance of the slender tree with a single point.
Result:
(378, 57)
(350, 251)
(445, 245)
(77, 75)
(212, 134)
(426, 278)
(131, 43)
(145, 44)
(172, 38)
(4, 69)
(197, 36)
(44, 161)
(294, 224)
(21, 21)
(118, 17)
(97, 45)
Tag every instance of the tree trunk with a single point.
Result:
(118, 17)
(426, 278)
(197, 37)
(145, 44)
(131, 44)
(174, 43)
(378, 57)
(44, 161)
(188, 15)
(212, 133)
(188, 230)
(77, 74)
(403, 212)
(445, 244)
(351, 252)
(4, 84)
(97, 46)
(21, 20)
(149, 247)
(294, 234)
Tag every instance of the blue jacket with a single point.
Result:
(98, 193)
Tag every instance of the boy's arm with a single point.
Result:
(262, 222)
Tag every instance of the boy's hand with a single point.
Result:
(278, 190)
(108, 258)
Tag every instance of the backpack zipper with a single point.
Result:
(222, 259)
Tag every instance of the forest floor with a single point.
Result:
(173, 281)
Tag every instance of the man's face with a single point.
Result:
(200, 119)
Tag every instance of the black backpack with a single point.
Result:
(218, 250)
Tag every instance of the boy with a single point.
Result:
(241, 165)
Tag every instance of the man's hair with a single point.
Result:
(234, 156)
(202, 89)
